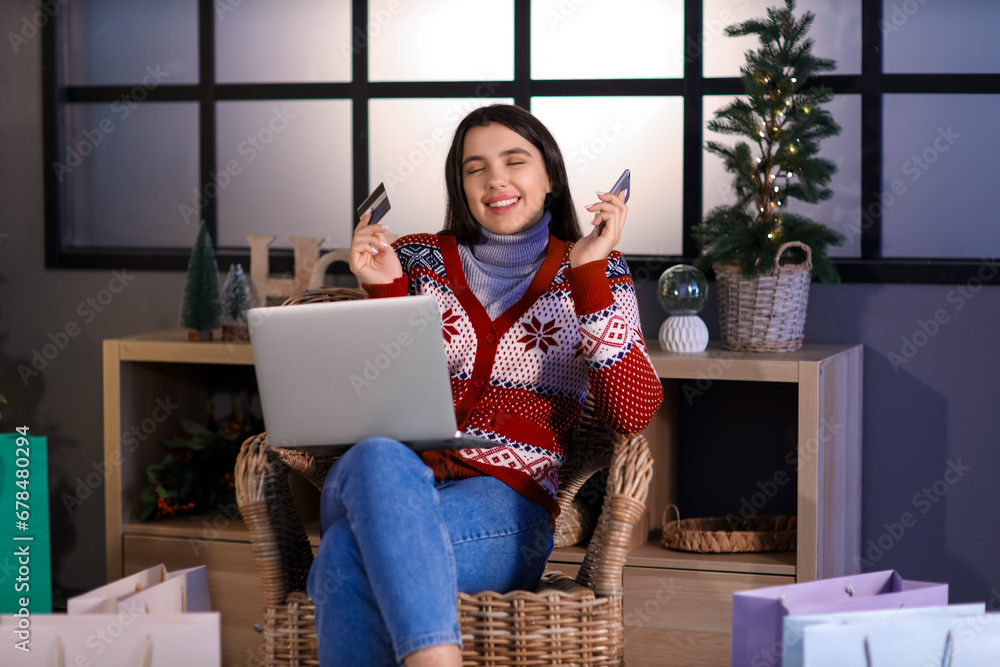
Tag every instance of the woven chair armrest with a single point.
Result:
(279, 542)
(592, 444)
(624, 503)
(313, 467)
(574, 475)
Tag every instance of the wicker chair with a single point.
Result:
(561, 622)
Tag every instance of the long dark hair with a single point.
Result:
(458, 219)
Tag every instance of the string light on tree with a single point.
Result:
(784, 130)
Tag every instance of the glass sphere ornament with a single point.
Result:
(682, 291)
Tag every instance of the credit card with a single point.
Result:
(377, 203)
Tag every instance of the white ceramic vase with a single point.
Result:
(683, 333)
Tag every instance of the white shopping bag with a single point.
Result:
(965, 641)
(104, 599)
(128, 638)
(155, 590)
(794, 628)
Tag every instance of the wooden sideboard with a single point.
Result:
(677, 604)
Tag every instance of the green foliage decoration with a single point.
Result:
(784, 122)
(196, 476)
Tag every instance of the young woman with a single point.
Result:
(533, 316)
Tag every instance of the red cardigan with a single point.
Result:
(520, 380)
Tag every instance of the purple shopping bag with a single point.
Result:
(758, 614)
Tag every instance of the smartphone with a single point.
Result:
(377, 203)
(624, 182)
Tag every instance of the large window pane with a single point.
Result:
(410, 139)
(440, 40)
(836, 31)
(939, 195)
(940, 37)
(292, 40)
(842, 212)
(115, 41)
(601, 136)
(287, 166)
(567, 39)
(125, 171)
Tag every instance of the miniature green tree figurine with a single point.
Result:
(785, 123)
(200, 309)
(236, 300)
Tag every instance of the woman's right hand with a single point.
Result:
(373, 260)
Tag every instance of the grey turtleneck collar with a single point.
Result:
(499, 267)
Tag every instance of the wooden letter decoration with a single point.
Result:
(306, 257)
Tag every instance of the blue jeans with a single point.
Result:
(398, 546)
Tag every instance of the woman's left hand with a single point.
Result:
(611, 210)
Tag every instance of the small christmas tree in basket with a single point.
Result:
(236, 301)
(762, 302)
(200, 309)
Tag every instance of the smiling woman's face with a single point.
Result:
(504, 178)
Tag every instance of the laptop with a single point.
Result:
(333, 374)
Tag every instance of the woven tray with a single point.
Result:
(767, 532)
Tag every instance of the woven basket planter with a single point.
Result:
(716, 534)
(768, 313)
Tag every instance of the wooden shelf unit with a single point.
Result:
(829, 382)
(151, 381)
(677, 604)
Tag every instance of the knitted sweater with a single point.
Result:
(520, 379)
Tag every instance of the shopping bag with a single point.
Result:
(25, 565)
(964, 641)
(758, 613)
(154, 590)
(103, 599)
(129, 638)
(793, 638)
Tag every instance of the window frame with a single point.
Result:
(871, 84)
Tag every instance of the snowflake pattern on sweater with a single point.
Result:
(520, 380)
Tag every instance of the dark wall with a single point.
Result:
(935, 412)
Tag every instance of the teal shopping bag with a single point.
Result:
(25, 564)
